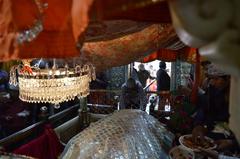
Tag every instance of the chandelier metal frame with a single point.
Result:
(52, 85)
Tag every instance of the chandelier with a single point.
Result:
(55, 84)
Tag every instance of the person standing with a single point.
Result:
(143, 75)
(134, 74)
(163, 79)
(101, 83)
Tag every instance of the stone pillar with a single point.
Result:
(84, 115)
(234, 121)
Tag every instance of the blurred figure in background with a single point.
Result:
(133, 96)
(3, 79)
(163, 84)
(205, 79)
(153, 86)
(143, 75)
(100, 83)
(214, 104)
(134, 73)
(213, 109)
(152, 71)
(163, 79)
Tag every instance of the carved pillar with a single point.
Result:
(235, 106)
(83, 113)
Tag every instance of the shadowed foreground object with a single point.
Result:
(125, 134)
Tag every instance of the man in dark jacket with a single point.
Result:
(143, 75)
(163, 79)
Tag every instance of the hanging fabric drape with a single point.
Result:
(47, 145)
(162, 54)
(185, 54)
(60, 28)
(156, 11)
(124, 50)
(57, 35)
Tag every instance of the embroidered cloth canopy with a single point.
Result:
(89, 29)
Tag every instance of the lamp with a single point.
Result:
(56, 84)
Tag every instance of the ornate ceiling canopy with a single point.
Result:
(113, 29)
(185, 54)
(55, 30)
(156, 11)
(55, 39)
(124, 50)
(49, 29)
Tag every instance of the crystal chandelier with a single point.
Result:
(54, 84)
